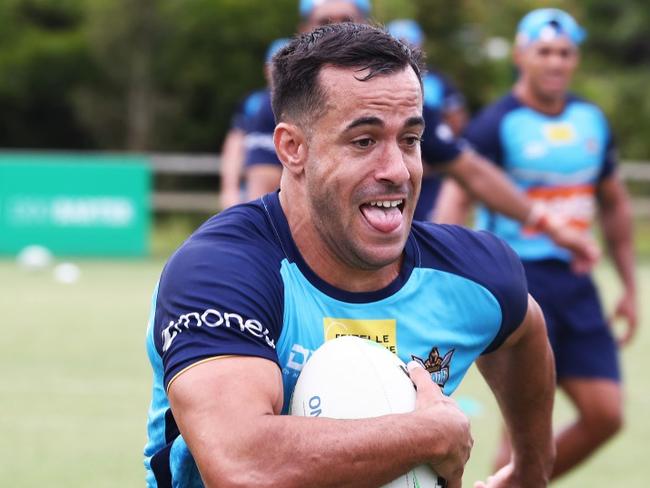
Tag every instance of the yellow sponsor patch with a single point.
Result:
(560, 133)
(381, 331)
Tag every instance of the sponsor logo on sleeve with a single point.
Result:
(213, 318)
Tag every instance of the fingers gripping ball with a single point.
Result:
(352, 378)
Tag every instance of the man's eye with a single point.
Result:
(412, 140)
(363, 143)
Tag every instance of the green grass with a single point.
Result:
(75, 382)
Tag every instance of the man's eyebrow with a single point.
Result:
(415, 121)
(376, 121)
(370, 120)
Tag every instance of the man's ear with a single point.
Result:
(291, 146)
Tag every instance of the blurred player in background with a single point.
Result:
(263, 168)
(234, 147)
(558, 149)
(442, 102)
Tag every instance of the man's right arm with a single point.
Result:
(521, 374)
(227, 411)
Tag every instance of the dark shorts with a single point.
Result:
(580, 337)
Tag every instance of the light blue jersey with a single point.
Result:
(557, 160)
(239, 286)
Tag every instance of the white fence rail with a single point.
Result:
(209, 165)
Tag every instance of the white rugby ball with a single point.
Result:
(352, 378)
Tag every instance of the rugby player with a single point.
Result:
(558, 149)
(250, 295)
(233, 150)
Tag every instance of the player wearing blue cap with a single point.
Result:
(245, 301)
(558, 149)
(263, 168)
(444, 106)
(234, 147)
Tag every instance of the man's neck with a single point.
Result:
(526, 95)
(324, 263)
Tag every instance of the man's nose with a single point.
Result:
(392, 167)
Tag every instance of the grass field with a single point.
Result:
(74, 387)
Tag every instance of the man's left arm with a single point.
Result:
(615, 212)
(521, 374)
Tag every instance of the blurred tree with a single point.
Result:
(167, 74)
(43, 57)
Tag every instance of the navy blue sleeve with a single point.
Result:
(506, 279)
(439, 146)
(217, 296)
(482, 134)
(487, 260)
(238, 120)
(610, 157)
(259, 138)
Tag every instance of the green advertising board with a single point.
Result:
(82, 205)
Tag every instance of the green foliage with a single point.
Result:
(614, 71)
(43, 57)
(167, 74)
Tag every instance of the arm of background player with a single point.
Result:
(616, 221)
(453, 205)
(232, 162)
(521, 373)
(485, 182)
(262, 179)
(226, 410)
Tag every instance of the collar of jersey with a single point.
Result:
(280, 225)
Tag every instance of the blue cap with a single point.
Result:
(406, 30)
(546, 23)
(274, 47)
(306, 6)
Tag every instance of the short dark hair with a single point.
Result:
(296, 93)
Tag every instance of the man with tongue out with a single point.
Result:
(245, 301)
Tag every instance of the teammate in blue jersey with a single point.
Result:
(558, 149)
(233, 150)
(262, 166)
(444, 113)
(244, 302)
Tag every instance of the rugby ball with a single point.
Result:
(352, 378)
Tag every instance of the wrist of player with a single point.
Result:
(540, 219)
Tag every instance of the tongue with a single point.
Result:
(382, 219)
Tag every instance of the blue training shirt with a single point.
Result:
(239, 286)
(554, 159)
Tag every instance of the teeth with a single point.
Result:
(386, 203)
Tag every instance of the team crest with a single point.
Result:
(436, 365)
